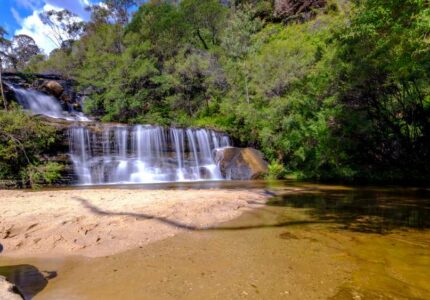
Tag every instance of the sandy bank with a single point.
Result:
(99, 222)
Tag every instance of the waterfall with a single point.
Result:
(131, 154)
(42, 104)
(144, 154)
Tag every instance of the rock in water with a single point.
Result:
(241, 163)
(6, 290)
(54, 88)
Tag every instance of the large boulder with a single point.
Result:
(6, 290)
(241, 163)
(53, 87)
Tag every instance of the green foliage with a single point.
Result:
(23, 140)
(46, 173)
(337, 93)
(276, 171)
(205, 19)
(163, 25)
(195, 80)
(385, 88)
(238, 34)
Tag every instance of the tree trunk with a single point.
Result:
(202, 40)
(1, 86)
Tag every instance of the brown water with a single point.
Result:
(325, 242)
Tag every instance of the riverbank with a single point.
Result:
(101, 222)
(309, 242)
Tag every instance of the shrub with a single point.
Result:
(23, 140)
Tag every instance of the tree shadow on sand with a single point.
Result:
(361, 210)
(175, 223)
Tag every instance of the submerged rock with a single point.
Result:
(241, 163)
(6, 290)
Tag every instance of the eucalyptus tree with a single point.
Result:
(64, 26)
(206, 19)
(3, 44)
(23, 48)
(120, 9)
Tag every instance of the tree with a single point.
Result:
(120, 9)
(99, 15)
(112, 11)
(64, 26)
(6, 53)
(3, 43)
(206, 19)
(195, 80)
(23, 49)
(385, 86)
(163, 25)
(23, 142)
(238, 32)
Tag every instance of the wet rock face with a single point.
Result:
(6, 290)
(241, 163)
(63, 89)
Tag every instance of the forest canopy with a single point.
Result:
(327, 89)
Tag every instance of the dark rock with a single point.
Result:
(64, 89)
(241, 163)
(7, 290)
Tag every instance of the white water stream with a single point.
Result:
(144, 154)
(131, 154)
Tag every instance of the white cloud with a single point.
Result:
(33, 26)
(76, 6)
(16, 15)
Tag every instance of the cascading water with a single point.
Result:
(131, 154)
(144, 154)
(42, 104)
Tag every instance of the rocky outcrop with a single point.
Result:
(7, 290)
(53, 87)
(64, 89)
(241, 163)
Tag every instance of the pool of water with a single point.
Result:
(186, 185)
(308, 242)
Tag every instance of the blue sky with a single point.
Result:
(21, 17)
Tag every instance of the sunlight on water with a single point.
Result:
(41, 104)
(144, 154)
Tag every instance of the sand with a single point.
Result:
(233, 244)
(102, 222)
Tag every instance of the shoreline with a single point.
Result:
(216, 243)
(101, 222)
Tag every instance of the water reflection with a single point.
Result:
(364, 210)
(28, 280)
